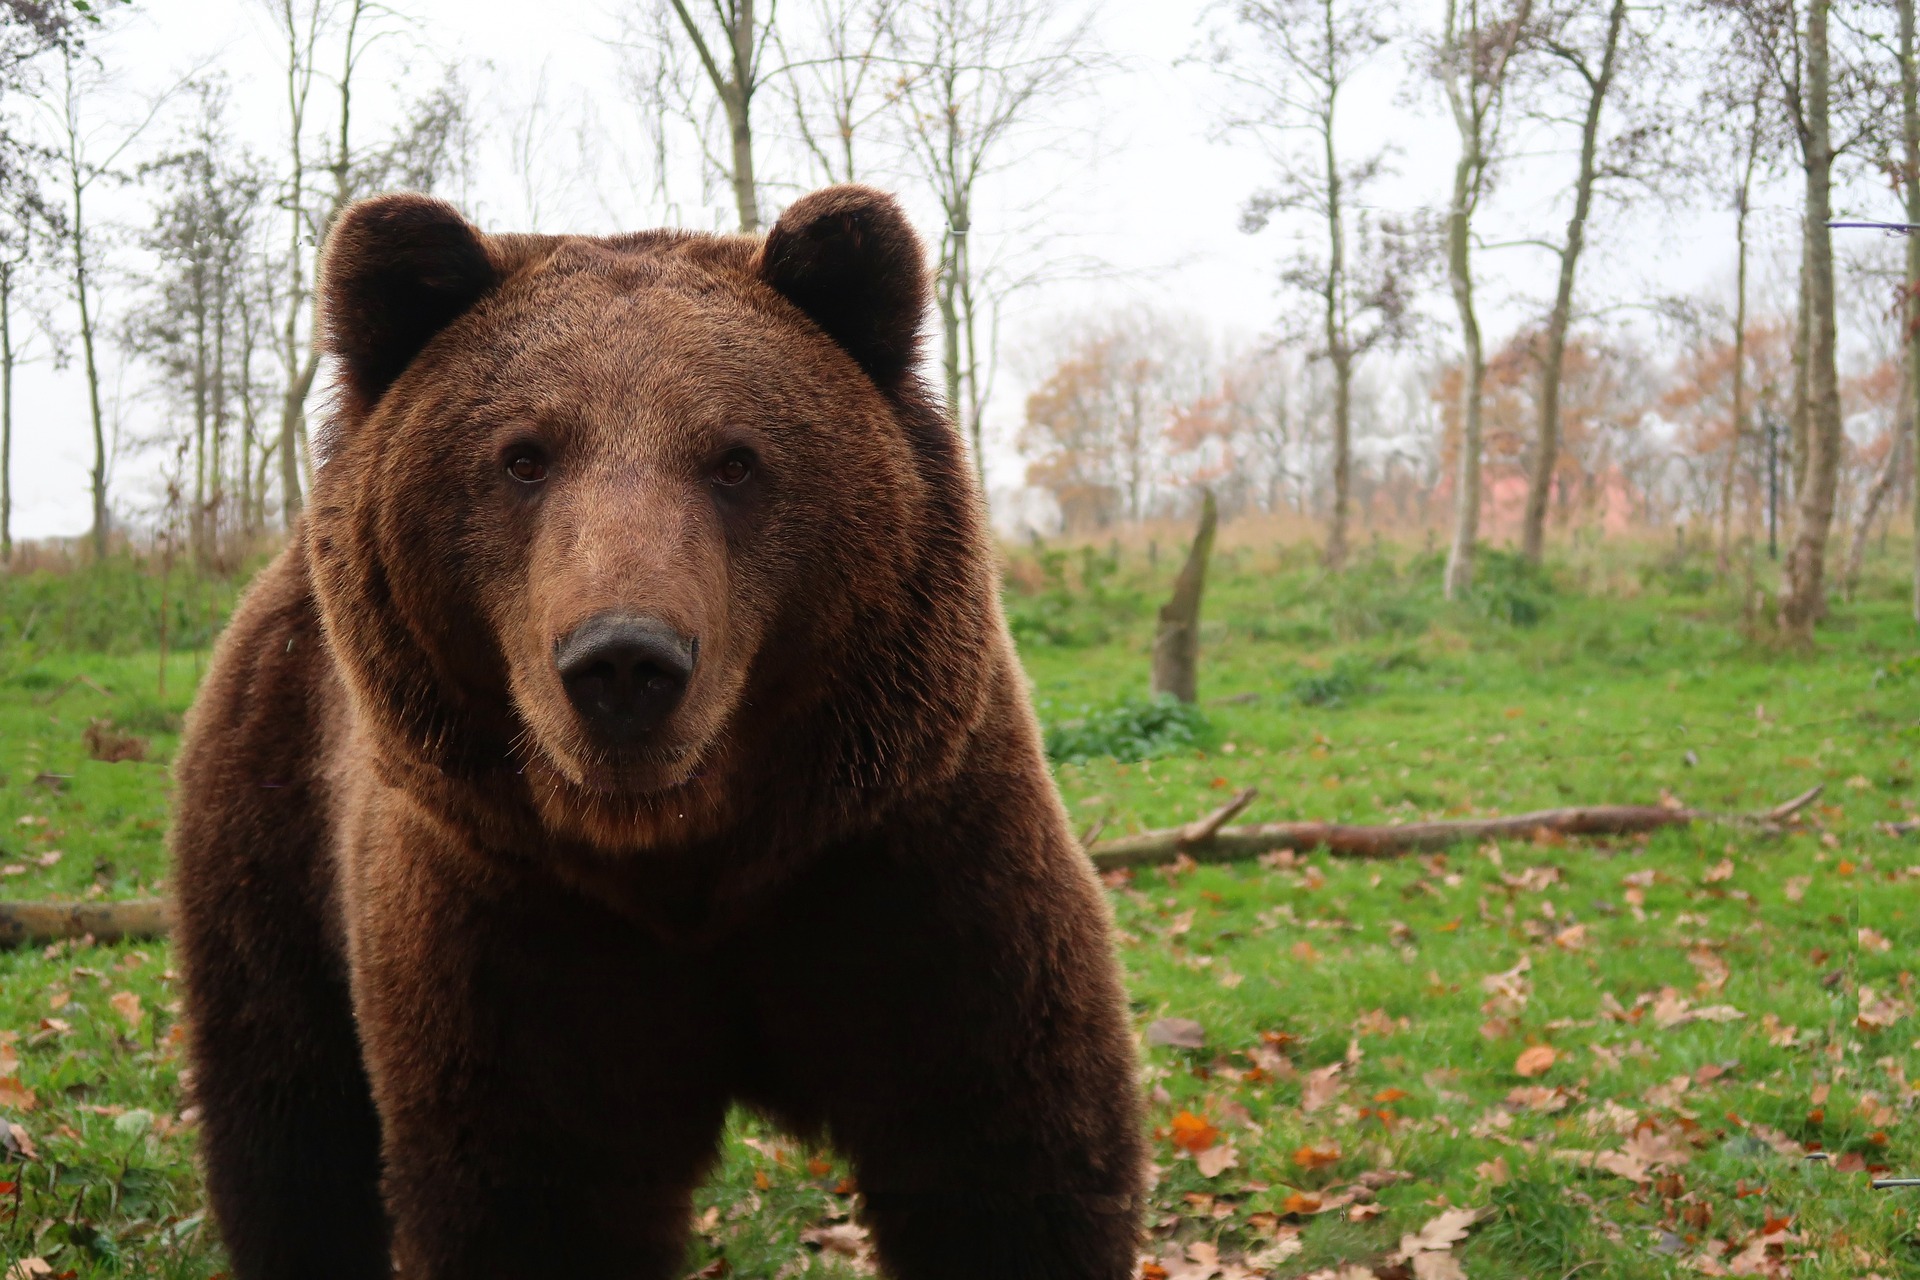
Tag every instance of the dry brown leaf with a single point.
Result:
(1310, 1157)
(1712, 969)
(1177, 1033)
(1659, 1149)
(1216, 1160)
(1534, 1060)
(1878, 1012)
(15, 1095)
(1545, 1099)
(1437, 1266)
(1797, 887)
(1873, 940)
(1721, 870)
(127, 1005)
(1321, 1087)
(843, 1240)
(1443, 1231)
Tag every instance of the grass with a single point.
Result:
(1376, 1043)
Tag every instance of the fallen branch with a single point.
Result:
(32, 923)
(1207, 839)
(1210, 840)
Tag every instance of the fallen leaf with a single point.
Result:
(1538, 1097)
(1320, 1088)
(1721, 870)
(29, 1269)
(1441, 1232)
(1797, 887)
(1712, 969)
(1493, 1172)
(15, 1095)
(843, 1240)
(1193, 1133)
(127, 1005)
(1873, 940)
(1177, 1033)
(1878, 1012)
(1216, 1160)
(1309, 1157)
(1437, 1266)
(1535, 1060)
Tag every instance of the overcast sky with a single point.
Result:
(1137, 180)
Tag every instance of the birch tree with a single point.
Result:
(977, 78)
(1795, 43)
(1910, 313)
(1580, 43)
(1478, 40)
(1290, 61)
(840, 83)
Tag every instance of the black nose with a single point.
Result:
(624, 674)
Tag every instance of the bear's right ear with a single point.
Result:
(396, 271)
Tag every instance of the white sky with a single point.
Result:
(1143, 183)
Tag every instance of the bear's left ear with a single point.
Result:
(396, 270)
(848, 257)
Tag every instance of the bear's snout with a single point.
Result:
(625, 673)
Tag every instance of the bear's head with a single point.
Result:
(653, 534)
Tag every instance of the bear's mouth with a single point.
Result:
(635, 773)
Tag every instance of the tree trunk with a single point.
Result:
(1176, 640)
(1876, 498)
(1804, 599)
(1466, 496)
(1338, 350)
(1546, 456)
(6, 413)
(1742, 207)
(1910, 138)
(98, 476)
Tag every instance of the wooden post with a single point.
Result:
(1176, 642)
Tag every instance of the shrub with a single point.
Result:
(1134, 729)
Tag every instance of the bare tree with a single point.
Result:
(730, 39)
(190, 324)
(1751, 144)
(1909, 173)
(840, 82)
(88, 154)
(976, 75)
(1289, 62)
(1571, 41)
(299, 25)
(1474, 58)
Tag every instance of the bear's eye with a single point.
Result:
(526, 467)
(733, 469)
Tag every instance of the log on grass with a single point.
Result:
(1211, 840)
(32, 923)
(1208, 839)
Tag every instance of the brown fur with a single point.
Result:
(472, 990)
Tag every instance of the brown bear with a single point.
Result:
(628, 730)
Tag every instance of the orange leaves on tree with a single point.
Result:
(1193, 1133)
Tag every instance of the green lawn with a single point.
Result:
(1615, 1056)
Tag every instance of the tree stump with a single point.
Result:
(1176, 641)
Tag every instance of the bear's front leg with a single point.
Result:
(948, 1008)
(549, 1091)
